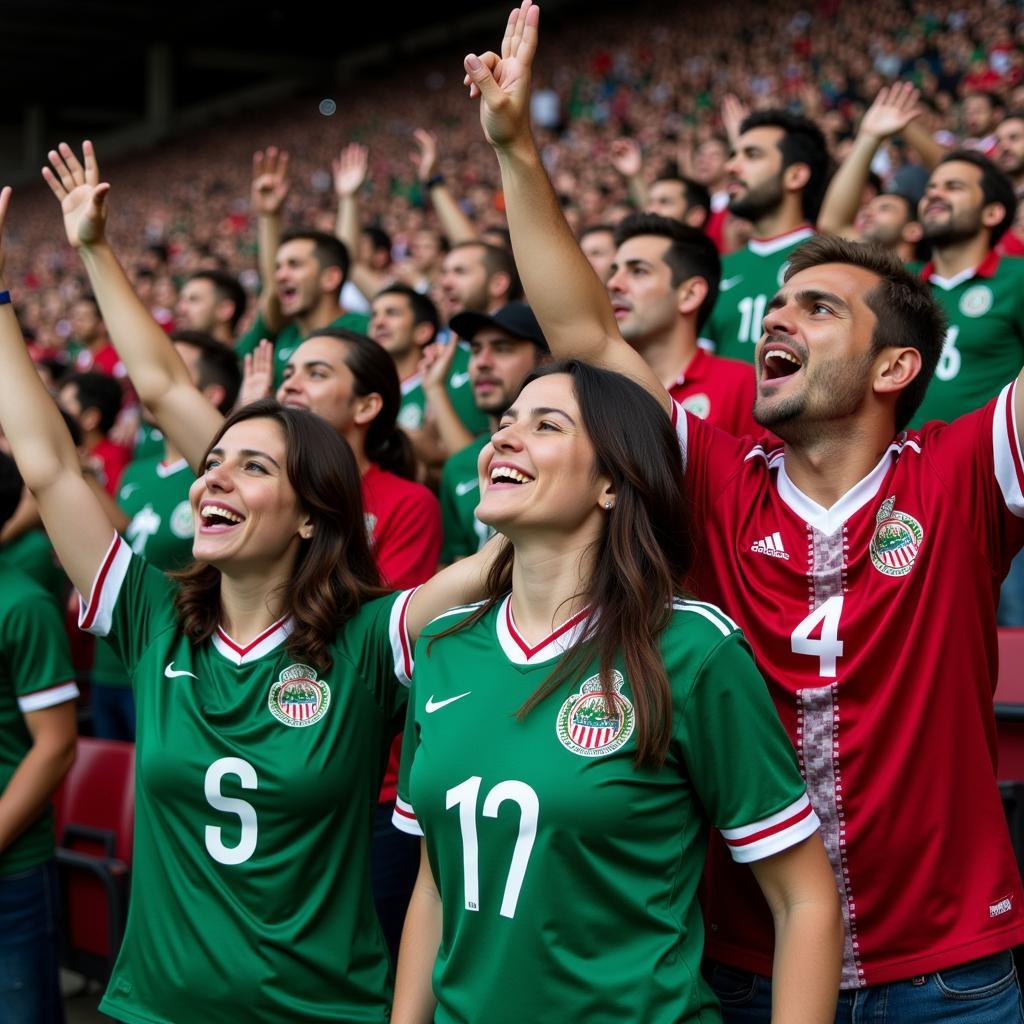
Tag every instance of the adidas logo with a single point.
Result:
(771, 546)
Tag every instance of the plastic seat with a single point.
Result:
(95, 818)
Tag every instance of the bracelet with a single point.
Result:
(5, 298)
(437, 179)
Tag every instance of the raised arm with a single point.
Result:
(567, 296)
(628, 161)
(894, 108)
(270, 187)
(349, 174)
(156, 371)
(45, 453)
(456, 226)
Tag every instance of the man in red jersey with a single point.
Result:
(863, 563)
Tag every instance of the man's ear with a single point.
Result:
(895, 369)
(331, 279)
(796, 177)
(690, 295)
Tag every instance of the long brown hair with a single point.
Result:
(334, 570)
(644, 552)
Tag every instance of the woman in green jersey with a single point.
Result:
(268, 678)
(571, 740)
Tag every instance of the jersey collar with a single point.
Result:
(697, 369)
(272, 637)
(986, 268)
(828, 520)
(411, 383)
(166, 469)
(770, 246)
(519, 652)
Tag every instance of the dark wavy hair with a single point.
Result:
(643, 554)
(334, 572)
(387, 445)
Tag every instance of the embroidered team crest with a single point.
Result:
(410, 417)
(298, 698)
(587, 726)
(896, 541)
(699, 405)
(181, 521)
(976, 301)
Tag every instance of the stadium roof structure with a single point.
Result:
(132, 73)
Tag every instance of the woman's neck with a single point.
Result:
(549, 584)
(250, 604)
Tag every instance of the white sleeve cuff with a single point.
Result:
(401, 645)
(404, 818)
(47, 698)
(764, 838)
(96, 616)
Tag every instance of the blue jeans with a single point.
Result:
(982, 991)
(29, 935)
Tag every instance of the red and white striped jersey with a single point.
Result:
(874, 624)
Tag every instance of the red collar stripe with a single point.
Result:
(238, 649)
(562, 629)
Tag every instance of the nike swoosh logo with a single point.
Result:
(431, 706)
(466, 486)
(458, 379)
(172, 673)
(128, 490)
(729, 282)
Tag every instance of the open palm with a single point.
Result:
(83, 197)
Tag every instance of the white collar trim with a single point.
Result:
(271, 638)
(770, 246)
(519, 652)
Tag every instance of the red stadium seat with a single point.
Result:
(95, 818)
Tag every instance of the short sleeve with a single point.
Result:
(978, 458)
(129, 604)
(35, 648)
(377, 640)
(741, 762)
(404, 817)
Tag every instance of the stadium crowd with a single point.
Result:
(680, 196)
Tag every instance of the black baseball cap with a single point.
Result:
(515, 319)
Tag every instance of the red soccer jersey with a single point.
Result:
(404, 520)
(720, 391)
(874, 625)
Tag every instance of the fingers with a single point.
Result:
(62, 170)
(73, 165)
(5, 202)
(510, 28)
(92, 169)
(480, 77)
(55, 186)
(99, 199)
(526, 29)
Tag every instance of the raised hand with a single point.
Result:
(436, 365)
(270, 185)
(257, 374)
(5, 201)
(350, 170)
(626, 158)
(425, 157)
(83, 197)
(503, 81)
(734, 113)
(894, 108)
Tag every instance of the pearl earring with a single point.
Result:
(607, 504)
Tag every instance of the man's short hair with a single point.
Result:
(596, 229)
(801, 143)
(906, 312)
(497, 260)
(694, 193)
(996, 187)
(380, 240)
(690, 253)
(327, 250)
(423, 310)
(227, 288)
(100, 392)
(217, 364)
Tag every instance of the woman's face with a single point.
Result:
(246, 511)
(538, 473)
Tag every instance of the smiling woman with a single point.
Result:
(621, 722)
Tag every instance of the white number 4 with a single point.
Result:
(827, 647)
(465, 797)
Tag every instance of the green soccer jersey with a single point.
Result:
(413, 409)
(288, 339)
(35, 673)
(568, 877)
(257, 781)
(459, 493)
(984, 347)
(154, 496)
(149, 443)
(33, 554)
(750, 277)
